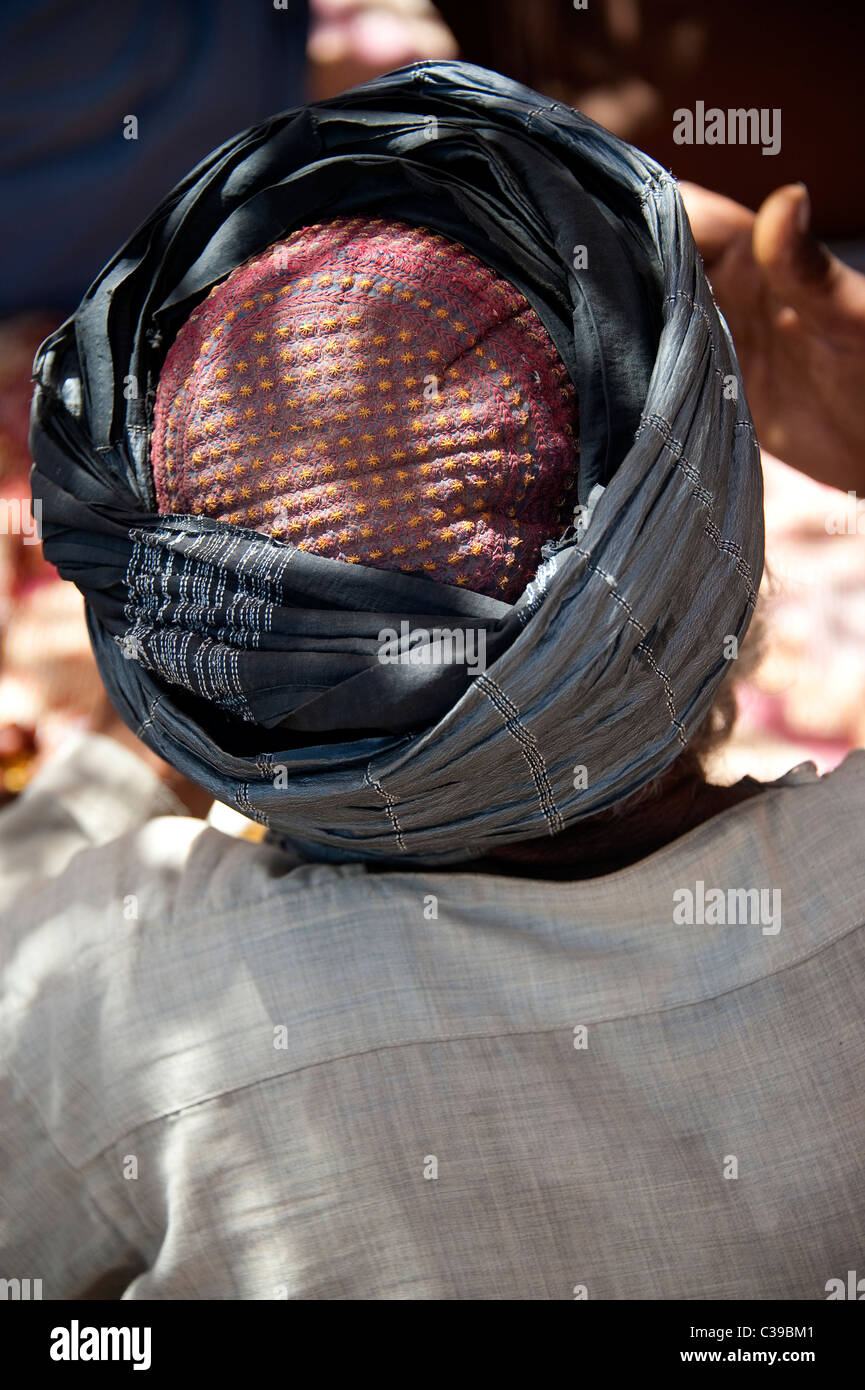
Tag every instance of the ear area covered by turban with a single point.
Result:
(255, 666)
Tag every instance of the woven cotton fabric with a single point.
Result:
(254, 666)
(372, 392)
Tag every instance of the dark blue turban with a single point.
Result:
(253, 666)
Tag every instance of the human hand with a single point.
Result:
(797, 315)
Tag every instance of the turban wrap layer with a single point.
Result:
(252, 666)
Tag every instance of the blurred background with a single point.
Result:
(104, 107)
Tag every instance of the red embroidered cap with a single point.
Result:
(370, 391)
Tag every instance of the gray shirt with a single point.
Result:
(229, 1074)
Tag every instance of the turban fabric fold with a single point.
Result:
(252, 665)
